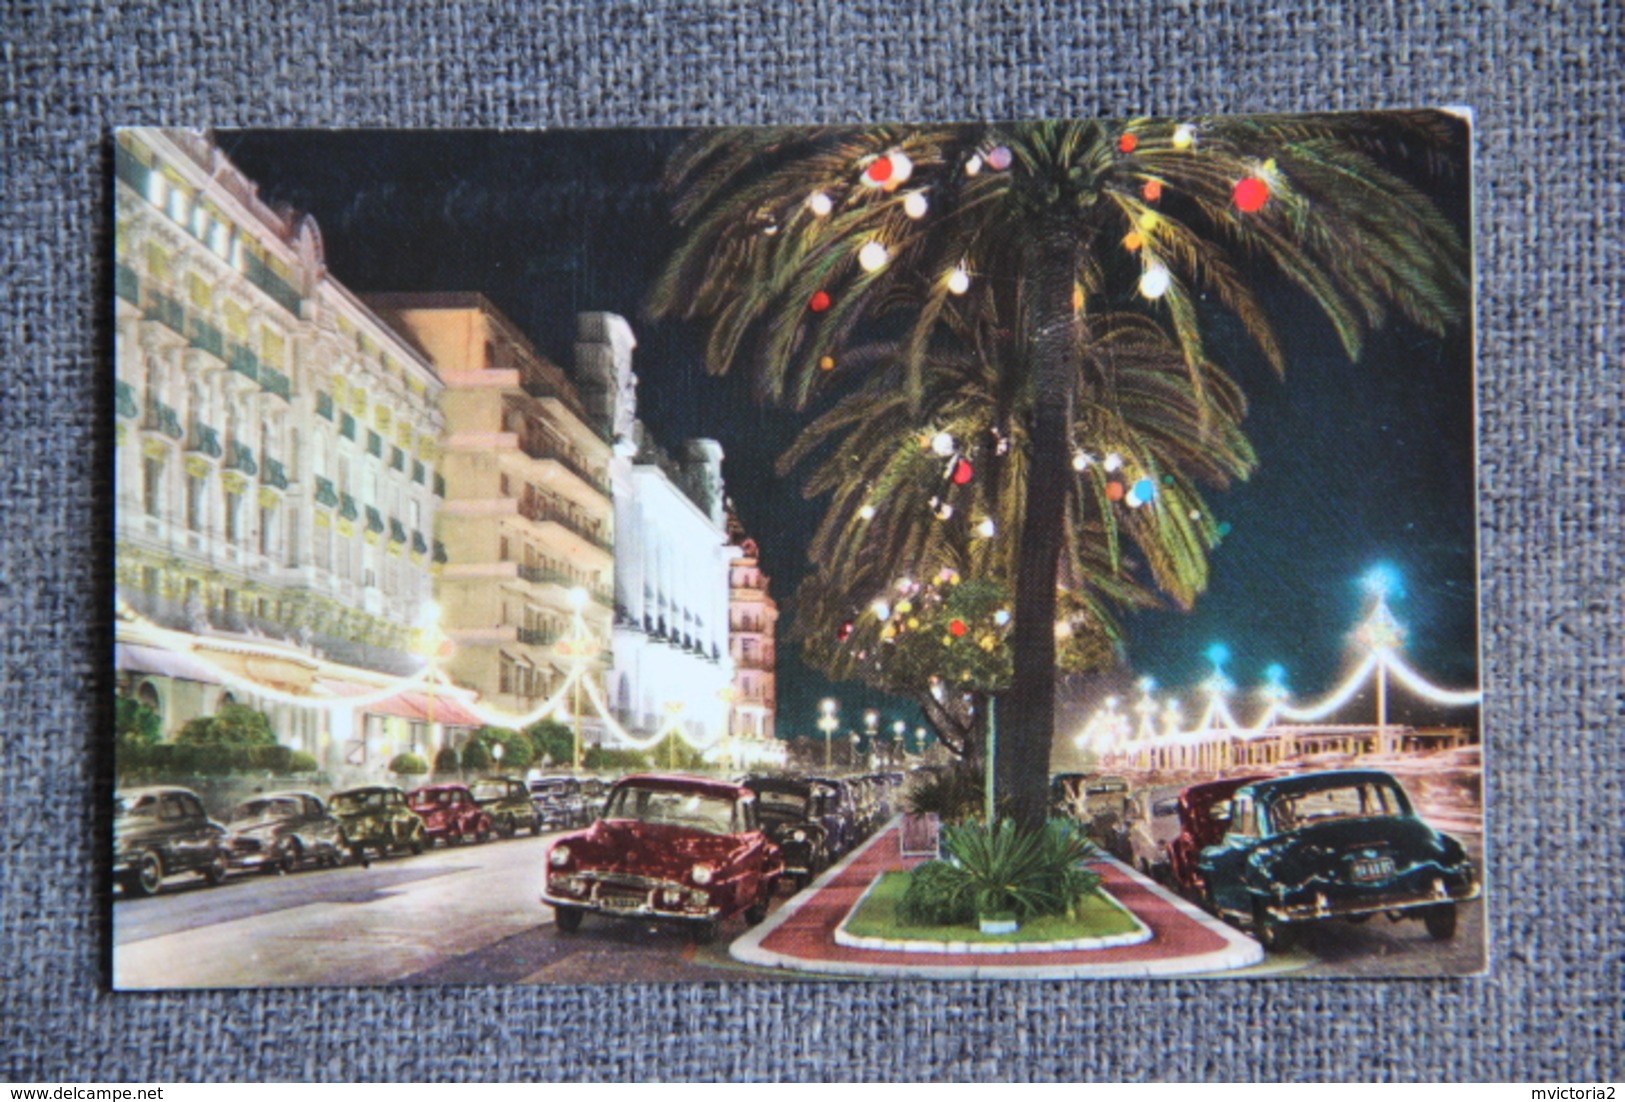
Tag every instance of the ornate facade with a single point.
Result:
(277, 458)
(753, 617)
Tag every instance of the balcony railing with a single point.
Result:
(260, 275)
(536, 637)
(275, 382)
(397, 531)
(440, 552)
(241, 458)
(534, 509)
(276, 476)
(166, 311)
(163, 419)
(325, 494)
(541, 575)
(375, 519)
(205, 441)
(124, 403)
(347, 508)
(243, 361)
(207, 338)
(419, 544)
(541, 450)
(127, 284)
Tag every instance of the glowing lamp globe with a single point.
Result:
(1132, 499)
(914, 204)
(998, 158)
(873, 256)
(1251, 194)
(973, 165)
(846, 631)
(826, 363)
(1001, 617)
(820, 204)
(1184, 136)
(881, 610)
(963, 472)
(1115, 491)
(1113, 461)
(1152, 190)
(1082, 461)
(819, 302)
(901, 169)
(1128, 143)
(959, 280)
(1145, 490)
(957, 628)
(1155, 281)
(879, 171)
(943, 444)
(1133, 240)
(987, 529)
(867, 512)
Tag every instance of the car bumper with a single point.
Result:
(1379, 902)
(623, 898)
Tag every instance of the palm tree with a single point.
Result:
(804, 242)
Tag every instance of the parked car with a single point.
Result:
(594, 790)
(450, 814)
(376, 816)
(507, 801)
(280, 831)
(160, 832)
(792, 810)
(1066, 794)
(1152, 818)
(1101, 811)
(843, 829)
(667, 847)
(1343, 844)
(1204, 816)
(558, 803)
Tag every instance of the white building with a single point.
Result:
(671, 642)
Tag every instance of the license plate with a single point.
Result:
(1374, 868)
(622, 902)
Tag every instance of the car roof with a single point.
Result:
(1312, 782)
(681, 782)
(451, 785)
(362, 788)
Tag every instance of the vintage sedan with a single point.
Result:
(558, 802)
(376, 816)
(507, 801)
(451, 814)
(793, 810)
(1343, 844)
(667, 847)
(158, 832)
(1204, 817)
(280, 831)
(842, 825)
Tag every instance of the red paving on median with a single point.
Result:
(1183, 941)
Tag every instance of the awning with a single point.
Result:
(135, 658)
(421, 707)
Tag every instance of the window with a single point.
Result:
(152, 485)
(234, 517)
(267, 518)
(195, 487)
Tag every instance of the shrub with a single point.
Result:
(232, 725)
(408, 765)
(134, 722)
(552, 740)
(272, 759)
(938, 894)
(1022, 872)
(601, 759)
(446, 760)
(475, 756)
(301, 762)
(517, 752)
(953, 794)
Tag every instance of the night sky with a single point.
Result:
(1358, 463)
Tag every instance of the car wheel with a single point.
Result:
(1440, 920)
(483, 834)
(507, 828)
(757, 911)
(1274, 936)
(453, 837)
(215, 872)
(149, 874)
(293, 855)
(703, 933)
(415, 844)
(568, 919)
(535, 826)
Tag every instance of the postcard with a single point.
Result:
(992, 550)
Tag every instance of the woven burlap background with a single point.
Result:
(1546, 84)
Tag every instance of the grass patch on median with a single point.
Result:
(1097, 916)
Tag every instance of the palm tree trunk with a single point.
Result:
(1027, 714)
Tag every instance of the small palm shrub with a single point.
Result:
(445, 761)
(301, 762)
(1002, 870)
(953, 794)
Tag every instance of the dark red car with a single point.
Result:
(1204, 817)
(667, 847)
(451, 814)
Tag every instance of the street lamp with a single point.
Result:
(577, 648)
(496, 755)
(828, 721)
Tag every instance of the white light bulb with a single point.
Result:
(987, 528)
(873, 256)
(914, 204)
(943, 444)
(901, 169)
(1113, 462)
(867, 512)
(974, 165)
(820, 204)
(881, 609)
(1082, 461)
(1001, 617)
(959, 280)
(1184, 136)
(1155, 281)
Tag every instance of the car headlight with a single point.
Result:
(702, 874)
(799, 836)
(559, 857)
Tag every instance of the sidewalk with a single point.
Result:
(801, 935)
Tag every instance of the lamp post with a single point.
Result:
(577, 650)
(1381, 634)
(828, 721)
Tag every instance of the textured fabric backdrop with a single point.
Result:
(1546, 83)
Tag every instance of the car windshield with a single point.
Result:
(145, 807)
(696, 810)
(777, 801)
(437, 796)
(352, 802)
(1351, 801)
(490, 790)
(265, 810)
(1165, 807)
